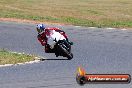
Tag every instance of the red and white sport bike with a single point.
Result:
(59, 44)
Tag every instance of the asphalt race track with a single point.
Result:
(97, 50)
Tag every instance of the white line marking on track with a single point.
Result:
(77, 26)
(124, 29)
(111, 28)
(92, 27)
(30, 62)
(37, 60)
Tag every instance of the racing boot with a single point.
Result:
(48, 49)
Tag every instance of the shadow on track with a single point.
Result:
(53, 59)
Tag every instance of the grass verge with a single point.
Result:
(7, 57)
(99, 13)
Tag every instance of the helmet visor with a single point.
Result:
(39, 30)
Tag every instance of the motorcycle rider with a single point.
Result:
(42, 38)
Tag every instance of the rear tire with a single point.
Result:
(56, 54)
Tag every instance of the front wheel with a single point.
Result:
(70, 56)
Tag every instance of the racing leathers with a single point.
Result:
(43, 38)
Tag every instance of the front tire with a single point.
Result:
(68, 54)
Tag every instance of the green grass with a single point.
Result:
(13, 58)
(99, 13)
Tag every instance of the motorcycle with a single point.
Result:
(60, 45)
